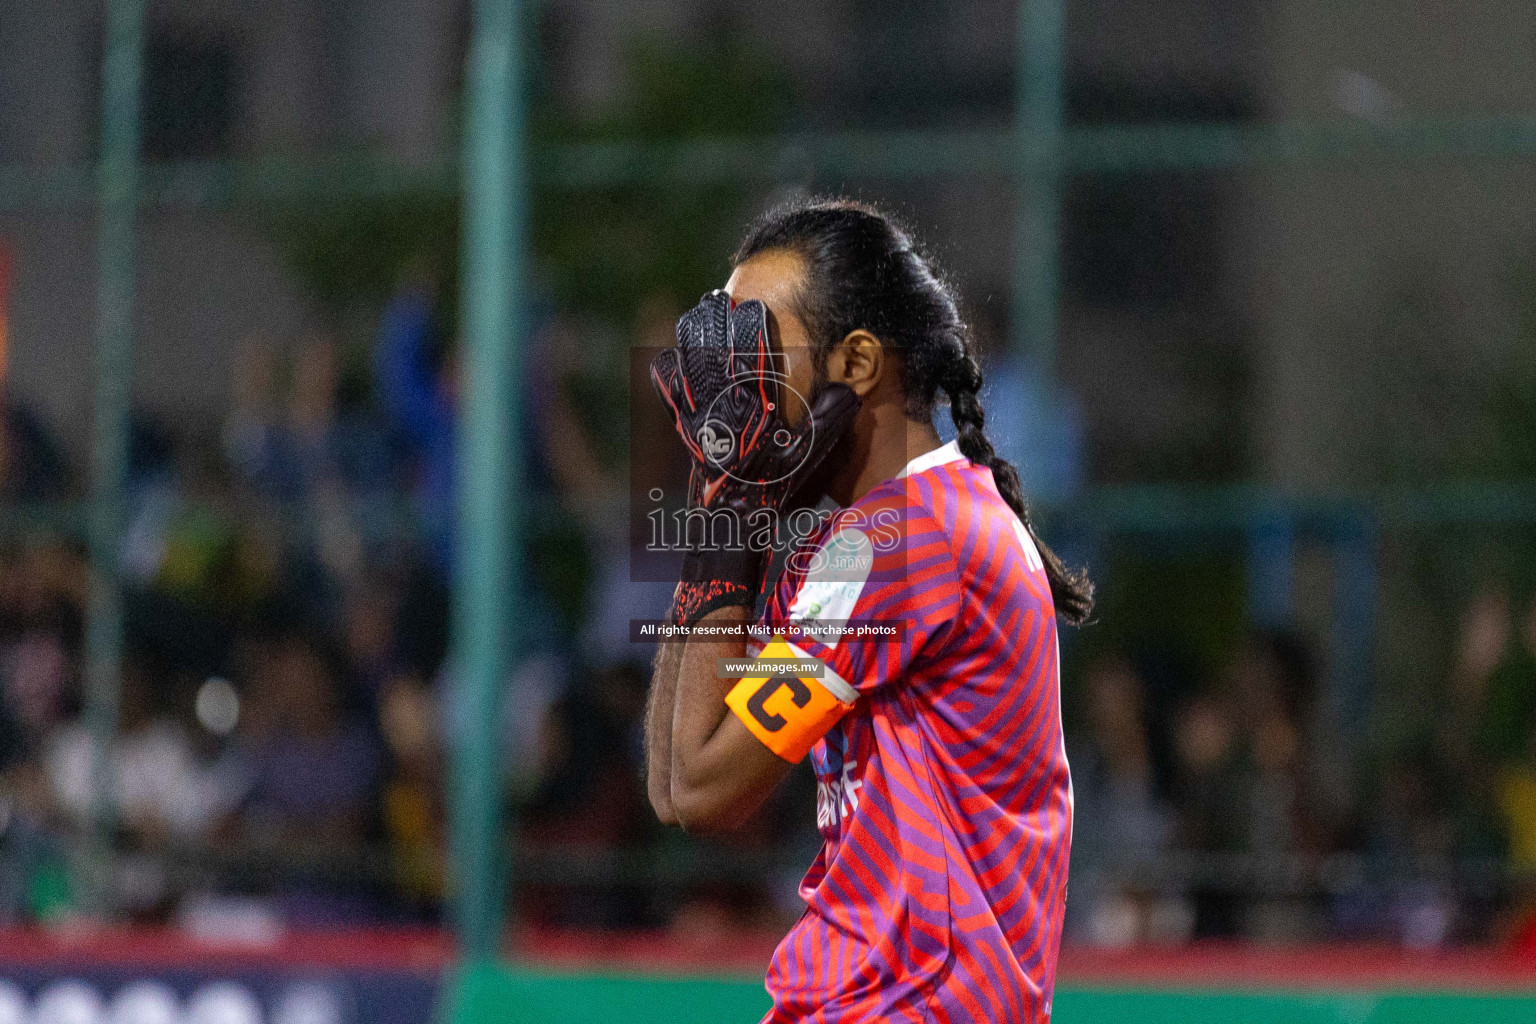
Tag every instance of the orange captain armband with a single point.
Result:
(790, 713)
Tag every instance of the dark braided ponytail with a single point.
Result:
(865, 271)
(1071, 590)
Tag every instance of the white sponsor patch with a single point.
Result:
(1031, 553)
(835, 581)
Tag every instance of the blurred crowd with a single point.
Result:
(1223, 810)
(286, 691)
(287, 700)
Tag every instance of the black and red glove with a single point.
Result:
(724, 389)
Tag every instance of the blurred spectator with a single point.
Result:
(32, 465)
(311, 782)
(1120, 824)
(1482, 740)
(1508, 686)
(1411, 831)
(620, 594)
(588, 800)
(159, 792)
(1266, 697)
(161, 796)
(1206, 777)
(311, 770)
(43, 587)
(368, 620)
(1513, 680)
(328, 466)
(299, 450)
(42, 592)
(417, 385)
(1244, 785)
(42, 596)
(1481, 646)
(39, 681)
(252, 423)
(1210, 795)
(415, 819)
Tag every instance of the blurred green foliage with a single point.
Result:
(608, 250)
(351, 252)
(1512, 401)
(600, 251)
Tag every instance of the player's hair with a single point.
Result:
(864, 270)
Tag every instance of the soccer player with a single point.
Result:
(944, 799)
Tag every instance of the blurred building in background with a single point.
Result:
(222, 81)
(1304, 296)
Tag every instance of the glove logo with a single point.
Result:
(715, 441)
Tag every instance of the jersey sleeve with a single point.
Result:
(880, 592)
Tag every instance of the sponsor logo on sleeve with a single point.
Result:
(835, 580)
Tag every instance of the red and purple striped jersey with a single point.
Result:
(944, 799)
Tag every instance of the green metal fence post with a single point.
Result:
(1039, 137)
(117, 200)
(488, 458)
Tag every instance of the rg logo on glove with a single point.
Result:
(715, 441)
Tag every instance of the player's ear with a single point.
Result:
(857, 361)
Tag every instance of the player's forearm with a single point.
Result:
(713, 785)
(660, 707)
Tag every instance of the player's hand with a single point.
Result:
(725, 391)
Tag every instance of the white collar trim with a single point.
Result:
(938, 457)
